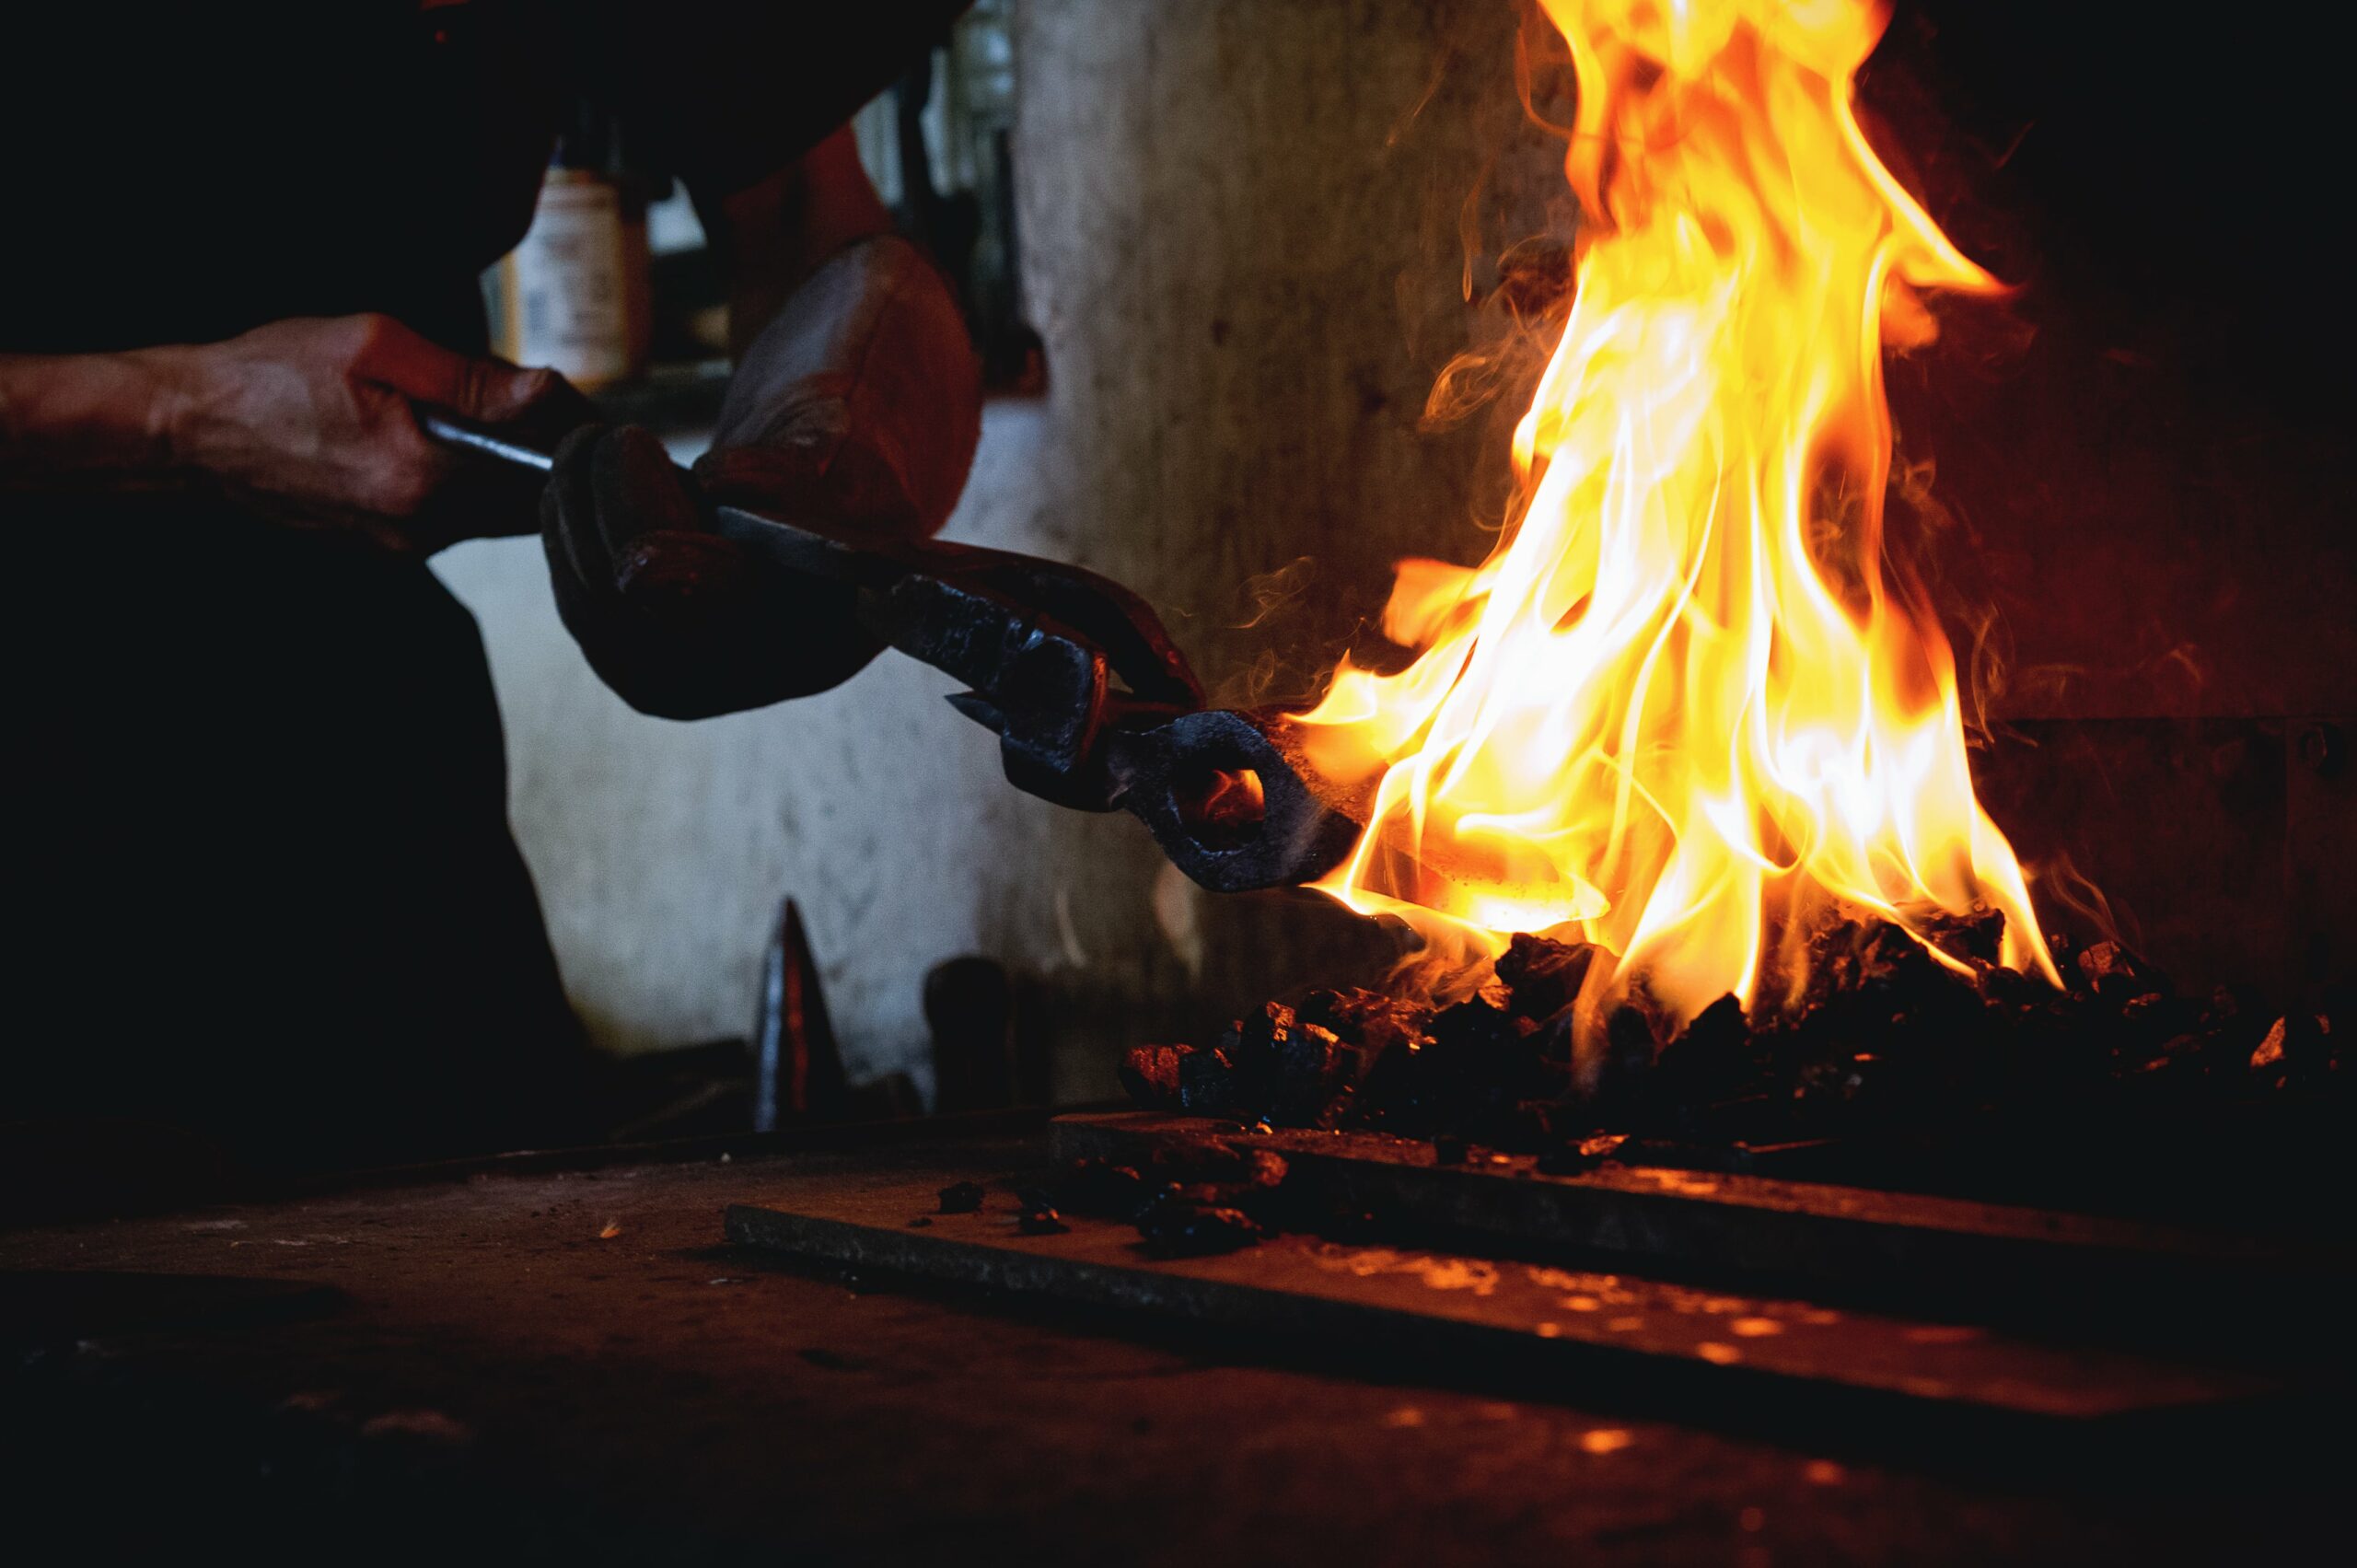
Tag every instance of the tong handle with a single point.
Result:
(1124, 626)
(472, 437)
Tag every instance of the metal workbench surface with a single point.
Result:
(533, 1364)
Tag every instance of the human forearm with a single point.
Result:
(310, 422)
(85, 420)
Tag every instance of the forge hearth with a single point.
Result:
(1902, 1063)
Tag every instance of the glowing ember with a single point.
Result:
(1687, 706)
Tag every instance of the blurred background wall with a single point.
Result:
(1251, 233)
(1243, 231)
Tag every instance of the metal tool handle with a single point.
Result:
(796, 549)
(469, 438)
(1140, 651)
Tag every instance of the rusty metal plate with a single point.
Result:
(1403, 1308)
(1849, 1242)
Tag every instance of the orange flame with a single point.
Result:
(1687, 707)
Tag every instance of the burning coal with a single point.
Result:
(1690, 707)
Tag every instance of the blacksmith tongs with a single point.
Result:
(1094, 705)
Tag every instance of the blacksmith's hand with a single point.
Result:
(313, 423)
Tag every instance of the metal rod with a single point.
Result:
(473, 438)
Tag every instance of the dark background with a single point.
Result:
(2138, 528)
(2141, 461)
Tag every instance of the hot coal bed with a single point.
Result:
(1891, 1070)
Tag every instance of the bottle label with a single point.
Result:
(569, 283)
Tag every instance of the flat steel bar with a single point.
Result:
(1799, 1234)
(1545, 1326)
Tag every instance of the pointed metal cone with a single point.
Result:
(800, 1070)
(979, 708)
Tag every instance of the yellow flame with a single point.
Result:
(1687, 706)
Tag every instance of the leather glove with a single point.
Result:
(858, 406)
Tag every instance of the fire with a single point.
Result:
(1688, 707)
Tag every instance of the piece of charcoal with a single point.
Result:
(1311, 1069)
(1580, 1156)
(2232, 1029)
(2117, 974)
(1495, 1051)
(1978, 937)
(1338, 1111)
(1449, 1150)
(1372, 1028)
(1207, 1082)
(1366, 1020)
(1264, 1168)
(1710, 1060)
(2154, 1017)
(1862, 971)
(1721, 1027)
(1541, 976)
(2296, 1042)
(2012, 989)
(1152, 1076)
(1476, 1064)
(1249, 1048)
(1285, 1070)
(1472, 1032)
(1041, 1220)
(1176, 1229)
(2103, 960)
(1903, 969)
(961, 1198)
(1405, 1091)
(1101, 1188)
(1631, 1043)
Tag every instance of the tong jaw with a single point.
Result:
(1228, 803)
(1041, 685)
(1096, 730)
